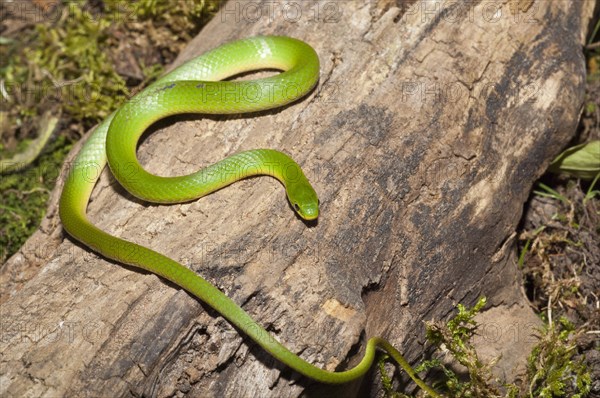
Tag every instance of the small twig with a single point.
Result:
(3, 91)
(62, 84)
(592, 46)
(23, 159)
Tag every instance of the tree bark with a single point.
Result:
(423, 139)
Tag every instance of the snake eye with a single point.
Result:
(297, 207)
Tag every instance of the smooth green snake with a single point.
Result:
(197, 87)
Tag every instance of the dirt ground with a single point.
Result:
(561, 270)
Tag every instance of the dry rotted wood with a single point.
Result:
(423, 139)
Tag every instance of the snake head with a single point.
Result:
(304, 200)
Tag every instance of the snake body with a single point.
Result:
(196, 87)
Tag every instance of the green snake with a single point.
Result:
(197, 87)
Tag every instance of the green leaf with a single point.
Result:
(581, 161)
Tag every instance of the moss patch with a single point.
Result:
(80, 60)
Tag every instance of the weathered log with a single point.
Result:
(424, 137)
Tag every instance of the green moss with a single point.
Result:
(454, 338)
(72, 54)
(24, 197)
(552, 368)
(64, 63)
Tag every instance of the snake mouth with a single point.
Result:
(310, 218)
(309, 213)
